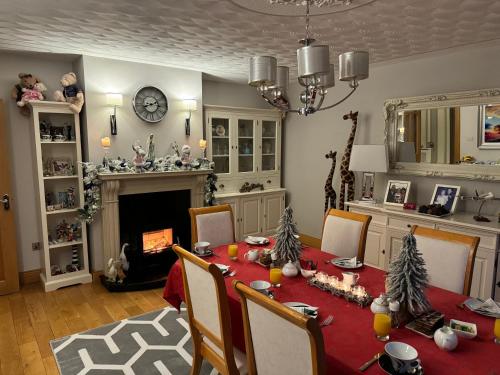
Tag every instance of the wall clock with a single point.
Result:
(150, 104)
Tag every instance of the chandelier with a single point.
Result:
(315, 73)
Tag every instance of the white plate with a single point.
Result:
(301, 306)
(256, 240)
(344, 263)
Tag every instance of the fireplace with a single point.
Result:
(157, 241)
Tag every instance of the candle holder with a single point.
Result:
(331, 284)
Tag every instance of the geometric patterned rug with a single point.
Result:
(158, 342)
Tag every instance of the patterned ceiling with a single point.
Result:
(218, 36)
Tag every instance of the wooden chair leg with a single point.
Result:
(197, 358)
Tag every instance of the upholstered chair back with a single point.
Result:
(212, 224)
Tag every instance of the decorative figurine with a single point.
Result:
(26, 81)
(71, 93)
(346, 176)
(75, 257)
(111, 271)
(138, 160)
(330, 194)
(70, 198)
(186, 156)
(151, 149)
(62, 231)
(32, 95)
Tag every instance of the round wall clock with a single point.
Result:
(150, 104)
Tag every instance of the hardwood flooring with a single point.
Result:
(31, 317)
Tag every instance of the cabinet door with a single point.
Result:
(251, 216)
(375, 245)
(219, 146)
(270, 142)
(246, 145)
(393, 244)
(273, 208)
(483, 274)
(234, 203)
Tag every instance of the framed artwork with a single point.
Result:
(61, 167)
(489, 126)
(446, 195)
(367, 187)
(397, 192)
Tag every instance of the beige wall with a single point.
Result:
(307, 139)
(232, 95)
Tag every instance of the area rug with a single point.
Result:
(154, 343)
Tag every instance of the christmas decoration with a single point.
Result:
(210, 189)
(287, 247)
(92, 193)
(407, 279)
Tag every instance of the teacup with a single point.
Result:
(201, 247)
(252, 255)
(404, 358)
(260, 286)
(350, 278)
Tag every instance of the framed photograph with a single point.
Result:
(397, 192)
(367, 187)
(489, 126)
(446, 195)
(61, 167)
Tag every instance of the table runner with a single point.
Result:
(349, 340)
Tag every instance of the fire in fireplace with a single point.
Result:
(157, 241)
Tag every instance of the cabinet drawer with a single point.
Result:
(270, 181)
(227, 186)
(488, 241)
(406, 224)
(376, 218)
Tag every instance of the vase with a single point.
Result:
(446, 339)
(289, 269)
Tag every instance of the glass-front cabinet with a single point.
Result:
(269, 142)
(220, 133)
(246, 145)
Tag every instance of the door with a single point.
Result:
(9, 278)
(251, 224)
(273, 208)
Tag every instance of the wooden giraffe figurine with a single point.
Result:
(347, 176)
(330, 194)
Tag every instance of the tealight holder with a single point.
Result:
(331, 284)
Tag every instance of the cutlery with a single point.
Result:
(375, 358)
(327, 321)
(231, 274)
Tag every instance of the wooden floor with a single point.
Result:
(31, 317)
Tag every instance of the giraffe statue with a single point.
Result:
(330, 194)
(347, 176)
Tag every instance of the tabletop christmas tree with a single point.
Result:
(287, 247)
(407, 279)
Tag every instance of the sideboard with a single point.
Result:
(389, 225)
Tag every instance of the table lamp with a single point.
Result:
(368, 159)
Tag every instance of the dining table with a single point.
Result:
(349, 340)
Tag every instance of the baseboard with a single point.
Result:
(29, 277)
(310, 241)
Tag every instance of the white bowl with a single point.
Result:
(201, 247)
(459, 332)
(260, 285)
(401, 351)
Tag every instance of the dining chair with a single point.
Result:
(209, 319)
(344, 233)
(278, 339)
(213, 224)
(449, 257)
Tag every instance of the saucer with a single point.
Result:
(207, 253)
(385, 364)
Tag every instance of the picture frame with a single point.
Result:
(61, 167)
(446, 195)
(489, 127)
(367, 186)
(397, 192)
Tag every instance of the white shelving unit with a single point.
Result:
(54, 253)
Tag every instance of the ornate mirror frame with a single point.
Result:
(462, 98)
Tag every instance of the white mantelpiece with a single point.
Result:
(116, 184)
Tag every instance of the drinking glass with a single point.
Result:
(275, 276)
(382, 326)
(496, 331)
(232, 251)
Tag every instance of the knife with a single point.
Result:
(365, 366)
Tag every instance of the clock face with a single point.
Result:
(150, 104)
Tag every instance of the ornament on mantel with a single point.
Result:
(287, 246)
(407, 279)
(210, 189)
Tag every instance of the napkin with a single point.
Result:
(490, 306)
(257, 240)
(353, 261)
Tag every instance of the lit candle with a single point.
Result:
(105, 142)
(203, 144)
(322, 277)
(333, 281)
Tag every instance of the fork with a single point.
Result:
(328, 320)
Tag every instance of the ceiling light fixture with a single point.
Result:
(315, 73)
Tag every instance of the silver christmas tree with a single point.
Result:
(287, 246)
(407, 278)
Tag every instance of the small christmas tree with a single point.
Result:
(287, 247)
(407, 278)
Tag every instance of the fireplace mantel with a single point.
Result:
(116, 184)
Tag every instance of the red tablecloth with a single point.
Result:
(349, 340)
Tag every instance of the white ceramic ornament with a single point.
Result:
(380, 305)
(446, 339)
(289, 270)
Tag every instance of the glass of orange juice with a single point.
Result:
(496, 331)
(275, 276)
(382, 326)
(232, 251)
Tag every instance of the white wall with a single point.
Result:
(49, 68)
(307, 139)
(232, 95)
(104, 76)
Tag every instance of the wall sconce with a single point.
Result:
(114, 100)
(190, 106)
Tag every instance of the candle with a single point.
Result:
(203, 144)
(322, 277)
(333, 281)
(105, 142)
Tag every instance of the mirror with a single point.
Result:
(445, 134)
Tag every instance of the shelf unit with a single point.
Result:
(59, 253)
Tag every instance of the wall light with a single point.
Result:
(114, 100)
(190, 106)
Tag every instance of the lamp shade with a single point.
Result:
(190, 104)
(282, 78)
(369, 158)
(114, 100)
(313, 59)
(326, 80)
(262, 71)
(353, 66)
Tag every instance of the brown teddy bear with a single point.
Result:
(71, 93)
(27, 81)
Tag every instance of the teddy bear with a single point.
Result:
(70, 93)
(31, 95)
(26, 81)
